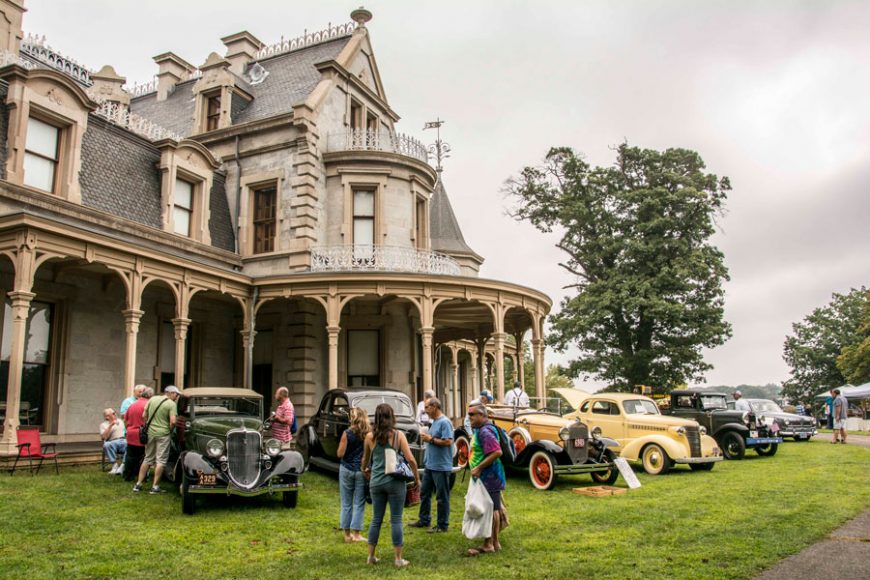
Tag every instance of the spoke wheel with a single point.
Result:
(655, 460)
(608, 476)
(519, 441)
(541, 470)
(463, 451)
(733, 446)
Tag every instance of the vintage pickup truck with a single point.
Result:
(734, 431)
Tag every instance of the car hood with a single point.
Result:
(541, 419)
(657, 421)
(218, 426)
(792, 418)
(573, 396)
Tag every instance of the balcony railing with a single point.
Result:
(381, 259)
(365, 140)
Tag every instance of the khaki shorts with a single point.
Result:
(839, 423)
(157, 451)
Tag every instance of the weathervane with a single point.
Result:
(439, 149)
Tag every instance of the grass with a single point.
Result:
(731, 522)
(829, 431)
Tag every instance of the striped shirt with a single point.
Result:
(284, 412)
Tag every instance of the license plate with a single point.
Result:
(753, 434)
(803, 435)
(207, 478)
(579, 443)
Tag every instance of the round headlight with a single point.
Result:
(596, 432)
(214, 448)
(787, 422)
(681, 430)
(563, 433)
(702, 430)
(273, 447)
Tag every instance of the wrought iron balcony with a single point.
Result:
(367, 258)
(364, 140)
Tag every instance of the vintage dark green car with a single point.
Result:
(219, 448)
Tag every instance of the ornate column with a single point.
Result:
(538, 353)
(132, 317)
(248, 336)
(475, 378)
(454, 366)
(426, 333)
(499, 366)
(481, 364)
(20, 311)
(332, 332)
(181, 325)
(521, 366)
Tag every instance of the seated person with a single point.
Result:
(113, 433)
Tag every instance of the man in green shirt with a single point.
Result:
(159, 416)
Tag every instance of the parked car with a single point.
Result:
(318, 439)
(219, 448)
(643, 434)
(798, 427)
(734, 431)
(547, 445)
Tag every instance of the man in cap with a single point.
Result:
(517, 396)
(423, 419)
(159, 417)
(741, 404)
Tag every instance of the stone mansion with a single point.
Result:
(254, 221)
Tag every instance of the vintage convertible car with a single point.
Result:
(547, 445)
(643, 434)
(798, 427)
(218, 448)
(318, 439)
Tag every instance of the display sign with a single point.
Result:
(627, 473)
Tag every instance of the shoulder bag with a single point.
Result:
(143, 431)
(395, 464)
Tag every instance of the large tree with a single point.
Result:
(648, 283)
(854, 360)
(816, 343)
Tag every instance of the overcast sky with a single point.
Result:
(772, 94)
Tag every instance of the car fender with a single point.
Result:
(542, 445)
(608, 442)
(674, 449)
(194, 462)
(288, 462)
(311, 436)
(742, 429)
(461, 432)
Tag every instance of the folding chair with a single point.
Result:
(29, 446)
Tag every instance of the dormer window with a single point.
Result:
(41, 155)
(213, 112)
(182, 209)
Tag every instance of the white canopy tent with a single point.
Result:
(850, 392)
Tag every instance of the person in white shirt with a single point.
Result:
(516, 397)
(113, 433)
(741, 404)
(423, 419)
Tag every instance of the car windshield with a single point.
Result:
(713, 402)
(640, 407)
(765, 406)
(558, 405)
(202, 406)
(400, 405)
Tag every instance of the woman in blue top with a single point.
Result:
(350, 476)
(384, 488)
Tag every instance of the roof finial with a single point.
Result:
(439, 149)
(361, 16)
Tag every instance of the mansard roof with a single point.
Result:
(444, 231)
(292, 76)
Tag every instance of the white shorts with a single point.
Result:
(839, 423)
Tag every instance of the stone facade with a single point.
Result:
(255, 222)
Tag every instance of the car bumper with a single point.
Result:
(583, 468)
(233, 490)
(803, 434)
(698, 459)
(753, 441)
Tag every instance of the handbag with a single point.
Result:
(395, 464)
(143, 431)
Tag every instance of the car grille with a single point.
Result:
(803, 428)
(694, 438)
(243, 457)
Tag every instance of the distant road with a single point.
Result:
(862, 440)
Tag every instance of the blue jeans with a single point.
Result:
(353, 498)
(114, 448)
(439, 482)
(394, 493)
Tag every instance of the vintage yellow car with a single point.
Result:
(643, 434)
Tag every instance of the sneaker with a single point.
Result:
(371, 560)
(402, 563)
(418, 524)
(436, 530)
(157, 489)
(137, 488)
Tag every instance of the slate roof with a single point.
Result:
(444, 231)
(292, 77)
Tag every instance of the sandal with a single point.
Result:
(372, 560)
(472, 552)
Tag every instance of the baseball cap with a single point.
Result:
(738, 394)
(171, 389)
(487, 394)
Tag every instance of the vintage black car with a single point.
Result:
(548, 445)
(219, 448)
(318, 439)
(733, 430)
(798, 427)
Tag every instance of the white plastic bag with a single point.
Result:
(477, 520)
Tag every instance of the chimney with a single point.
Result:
(172, 69)
(12, 11)
(108, 86)
(242, 48)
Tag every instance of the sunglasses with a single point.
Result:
(472, 414)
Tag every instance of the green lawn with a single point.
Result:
(729, 523)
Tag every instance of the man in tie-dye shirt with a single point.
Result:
(486, 466)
